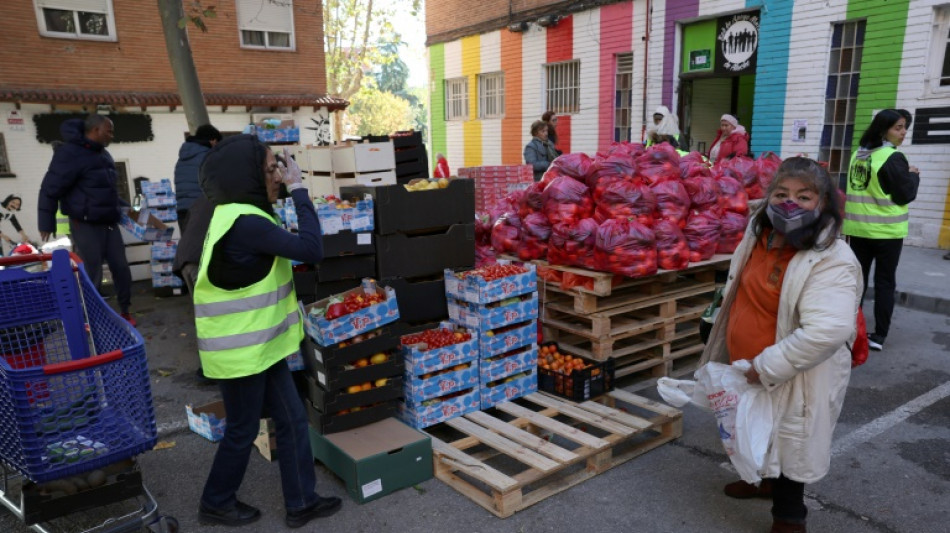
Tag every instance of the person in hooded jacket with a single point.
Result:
(880, 185)
(190, 156)
(732, 140)
(790, 307)
(83, 183)
(248, 322)
(665, 128)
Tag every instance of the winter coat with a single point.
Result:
(736, 144)
(536, 155)
(193, 240)
(81, 179)
(190, 156)
(807, 370)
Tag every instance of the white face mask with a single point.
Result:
(789, 216)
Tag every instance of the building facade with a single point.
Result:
(61, 58)
(803, 77)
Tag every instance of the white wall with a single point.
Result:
(585, 125)
(490, 57)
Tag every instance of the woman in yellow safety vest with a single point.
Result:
(880, 185)
(247, 321)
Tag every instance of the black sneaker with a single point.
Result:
(875, 342)
(323, 508)
(239, 515)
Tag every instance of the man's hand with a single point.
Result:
(45, 236)
(290, 172)
(913, 169)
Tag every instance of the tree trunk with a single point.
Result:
(183, 65)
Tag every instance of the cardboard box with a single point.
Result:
(295, 361)
(165, 214)
(326, 332)
(400, 210)
(420, 299)
(485, 317)
(266, 441)
(164, 250)
(279, 135)
(419, 388)
(208, 420)
(437, 410)
(420, 362)
(366, 179)
(358, 218)
(326, 423)
(314, 158)
(363, 157)
(401, 255)
(508, 364)
(506, 338)
(162, 187)
(476, 289)
(166, 279)
(146, 227)
(492, 395)
(163, 266)
(376, 459)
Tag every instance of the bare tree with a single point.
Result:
(182, 62)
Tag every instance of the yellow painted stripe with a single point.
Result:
(471, 63)
(943, 239)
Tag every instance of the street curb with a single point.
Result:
(921, 302)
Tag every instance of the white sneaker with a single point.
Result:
(875, 342)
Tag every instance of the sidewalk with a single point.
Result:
(923, 280)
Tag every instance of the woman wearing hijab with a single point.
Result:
(665, 126)
(540, 151)
(731, 141)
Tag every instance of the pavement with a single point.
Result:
(890, 469)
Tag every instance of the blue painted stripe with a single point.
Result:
(771, 77)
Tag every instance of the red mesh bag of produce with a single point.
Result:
(691, 167)
(703, 192)
(702, 234)
(624, 198)
(660, 162)
(484, 255)
(509, 204)
(672, 250)
(765, 166)
(573, 244)
(732, 196)
(744, 171)
(695, 157)
(483, 225)
(535, 231)
(733, 228)
(531, 200)
(566, 200)
(626, 247)
(672, 201)
(506, 234)
(618, 164)
(577, 165)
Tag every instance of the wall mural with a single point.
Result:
(321, 126)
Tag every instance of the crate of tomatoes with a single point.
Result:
(346, 315)
(573, 377)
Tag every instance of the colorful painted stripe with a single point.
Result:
(616, 36)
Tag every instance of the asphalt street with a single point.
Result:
(890, 468)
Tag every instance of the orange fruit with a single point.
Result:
(367, 386)
(353, 389)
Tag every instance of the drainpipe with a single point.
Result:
(646, 62)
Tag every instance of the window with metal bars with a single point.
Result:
(563, 87)
(939, 72)
(456, 99)
(491, 95)
(841, 97)
(623, 97)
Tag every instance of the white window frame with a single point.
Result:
(623, 75)
(456, 98)
(491, 95)
(266, 17)
(562, 87)
(939, 39)
(76, 6)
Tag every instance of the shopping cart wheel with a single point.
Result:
(164, 524)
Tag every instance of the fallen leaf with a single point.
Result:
(164, 373)
(165, 444)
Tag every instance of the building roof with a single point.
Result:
(136, 98)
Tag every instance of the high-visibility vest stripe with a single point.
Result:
(250, 338)
(249, 303)
(879, 219)
(886, 202)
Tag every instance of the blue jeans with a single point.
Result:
(244, 401)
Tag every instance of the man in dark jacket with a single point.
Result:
(82, 181)
(190, 156)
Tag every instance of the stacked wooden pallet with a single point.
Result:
(650, 326)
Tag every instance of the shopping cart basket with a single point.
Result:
(74, 384)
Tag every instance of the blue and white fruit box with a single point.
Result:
(164, 250)
(420, 361)
(437, 410)
(295, 361)
(163, 266)
(162, 187)
(208, 420)
(496, 341)
(280, 135)
(421, 388)
(484, 317)
(166, 279)
(146, 226)
(508, 364)
(334, 218)
(165, 214)
(328, 332)
(475, 289)
(509, 389)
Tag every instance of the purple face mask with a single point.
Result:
(789, 216)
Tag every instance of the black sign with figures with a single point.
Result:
(737, 44)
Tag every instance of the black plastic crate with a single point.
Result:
(331, 402)
(305, 282)
(420, 299)
(579, 385)
(405, 155)
(410, 256)
(412, 168)
(328, 359)
(324, 423)
(400, 139)
(348, 243)
(346, 267)
(41, 503)
(329, 288)
(399, 210)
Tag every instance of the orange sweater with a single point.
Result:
(754, 313)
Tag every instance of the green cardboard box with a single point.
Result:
(375, 459)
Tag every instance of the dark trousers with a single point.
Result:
(885, 254)
(95, 242)
(788, 500)
(244, 401)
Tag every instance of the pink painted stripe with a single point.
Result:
(616, 36)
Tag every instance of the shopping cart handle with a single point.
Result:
(79, 364)
(34, 258)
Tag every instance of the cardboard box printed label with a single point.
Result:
(146, 226)
(511, 388)
(166, 279)
(508, 364)
(420, 361)
(357, 218)
(208, 420)
(327, 332)
(435, 410)
(425, 387)
(504, 339)
(492, 316)
(478, 290)
(164, 250)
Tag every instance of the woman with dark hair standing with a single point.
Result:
(880, 185)
(540, 151)
(248, 322)
(789, 306)
(12, 204)
(550, 118)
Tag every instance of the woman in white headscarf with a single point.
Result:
(665, 124)
(731, 141)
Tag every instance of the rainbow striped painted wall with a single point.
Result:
(897, 70)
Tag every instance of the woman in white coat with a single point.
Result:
(790, 306)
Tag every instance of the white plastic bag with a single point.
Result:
(743, 412)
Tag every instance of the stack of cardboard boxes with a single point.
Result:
(412, 160)
(328, 168)
(493, 183)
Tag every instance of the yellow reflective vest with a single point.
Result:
(62, 224)
(244, 331)
(868, 211)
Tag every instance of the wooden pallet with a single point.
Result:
(527, 451)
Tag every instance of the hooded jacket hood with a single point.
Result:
(192, 147)
(73, 130)
(233, 173)
(865, 153)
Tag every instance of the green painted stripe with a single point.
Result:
(437, 102)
